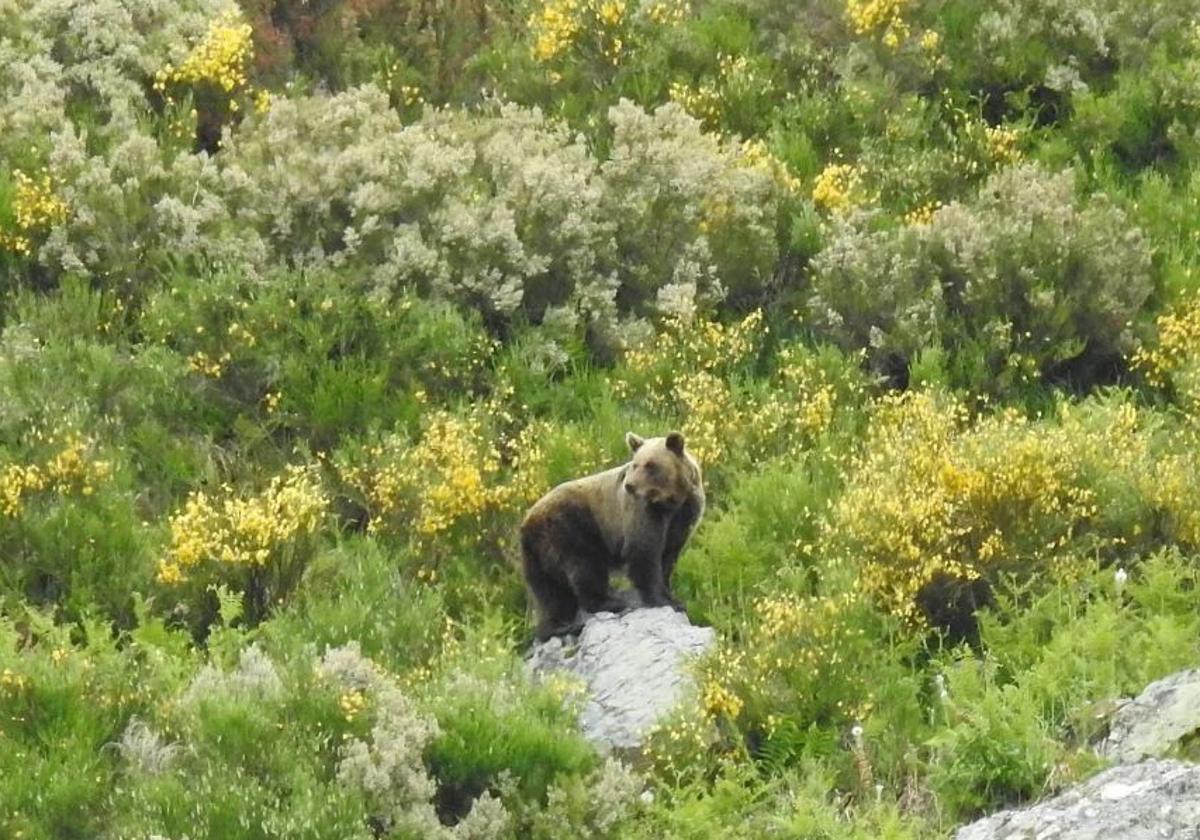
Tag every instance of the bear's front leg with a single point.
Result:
(642, 554)
(646, 577)
(590, 583)
(679, 529)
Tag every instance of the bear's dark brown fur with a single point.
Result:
(637, 517)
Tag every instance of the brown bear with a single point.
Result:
(637, 517)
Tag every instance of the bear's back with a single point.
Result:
(598, 494)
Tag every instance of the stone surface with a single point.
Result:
(1156, 720)
(1153, 800)
(633, 666)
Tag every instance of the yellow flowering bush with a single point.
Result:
(756, 155)
(526, 457)
(447, 476)
(72, 470)
(929, 499)
(801, 660)
(735, 91)
(541, 455)
(702, 101)
(922, 215)
(219, 59)
(839, 188)
(881, 18)
(36, 206)
(259, 537)
(1002, 143)
(933, 496)
(216, 64)
(463, 470)
(16, 482)
(1174, 359)
(205, 365)
(692, 370)
(686, 369)
(554, 27)
(602, 29)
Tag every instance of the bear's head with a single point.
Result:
(660, 473)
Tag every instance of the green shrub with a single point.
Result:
(996, 750)
(523, 732)
(752, 543)
(310, 356)
(361, 591)
(62, 704)
(420, 53)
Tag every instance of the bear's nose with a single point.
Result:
(629, 488)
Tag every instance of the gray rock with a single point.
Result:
(633, 666)
(1152, 800)
(1156, 720)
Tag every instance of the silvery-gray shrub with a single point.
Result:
(1024, 278)
(498, 208)
(505, 209)
(387, 767)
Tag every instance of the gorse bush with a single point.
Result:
(1174, 359)
(261, 542)
(934, 496)
(708, 375)
(1022, 284)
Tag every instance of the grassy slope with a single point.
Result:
(932, 556)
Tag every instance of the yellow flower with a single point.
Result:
(838, 188)
(554, 27)
(36, 207)
(756, 155)
(719, 701)
(703, 102)
(922, 215)
(218, 59)
(201, 363)
(243, 531)
(352, 703)
(612, 12)
(70, 470)
(1175, 358)
(667, 12)
(445, 477)
(931, 497)
(1002, 143)
(883, 17)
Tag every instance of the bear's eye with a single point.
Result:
(651, 467)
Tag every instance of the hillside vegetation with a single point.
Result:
(303, 302)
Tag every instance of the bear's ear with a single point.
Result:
(635, 441)
(675, 443)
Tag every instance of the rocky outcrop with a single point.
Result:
(633, 667)
(1158, 719)
(1147, 801)
(1136, 800)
